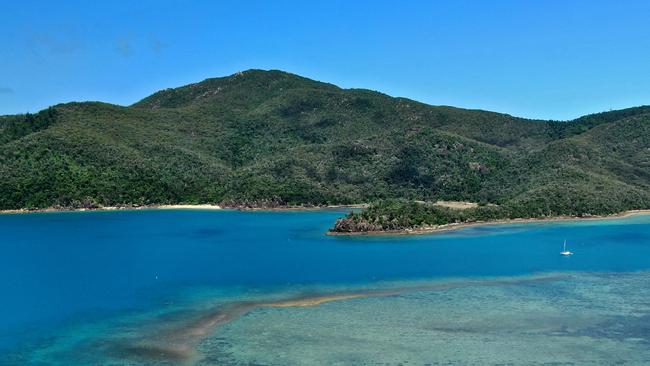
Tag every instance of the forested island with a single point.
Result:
(274, 139)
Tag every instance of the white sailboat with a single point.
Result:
(564, 251)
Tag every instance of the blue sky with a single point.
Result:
(538, 59)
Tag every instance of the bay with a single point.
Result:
(79, 286)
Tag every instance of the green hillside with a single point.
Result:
(270, 137)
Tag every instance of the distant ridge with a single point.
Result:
(264, 138)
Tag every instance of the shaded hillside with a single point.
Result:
(270, 136)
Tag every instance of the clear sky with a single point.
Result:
(538, 59)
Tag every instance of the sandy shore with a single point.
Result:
(457, 226)
(415, 231)
(186, 207)
(115, 208)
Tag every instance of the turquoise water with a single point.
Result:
(211, 287)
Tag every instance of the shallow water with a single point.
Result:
(205, 287)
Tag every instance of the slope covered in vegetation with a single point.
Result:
(270, 137)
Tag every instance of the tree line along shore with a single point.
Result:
(408, 217)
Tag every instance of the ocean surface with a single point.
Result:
(192, 287)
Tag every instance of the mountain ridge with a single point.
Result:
(270, 136)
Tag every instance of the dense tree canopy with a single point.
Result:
(269, 137)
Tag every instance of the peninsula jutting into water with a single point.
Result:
(404, 217)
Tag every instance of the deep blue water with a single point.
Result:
(58, 267)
